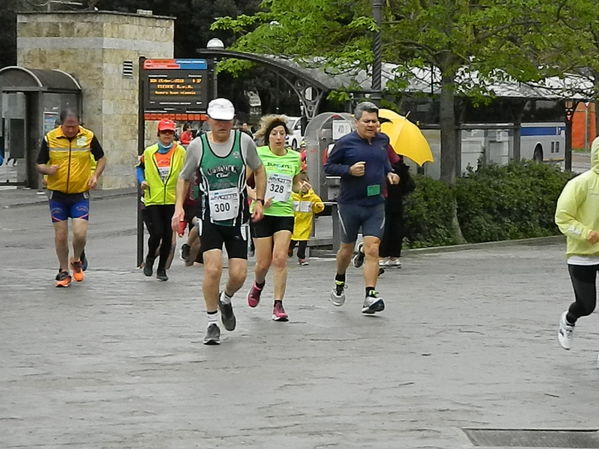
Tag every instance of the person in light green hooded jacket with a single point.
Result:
(577, 216)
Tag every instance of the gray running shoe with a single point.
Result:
(226, 313)
(212, 336)
(358, 259)
(338, 294)
(161, 274)
(185, 250)
(373, 304)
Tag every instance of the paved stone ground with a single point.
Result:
(468, 340)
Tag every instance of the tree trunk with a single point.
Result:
(449, 147)
(448, 131)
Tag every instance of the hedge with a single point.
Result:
(493, 203)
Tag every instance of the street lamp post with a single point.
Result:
(377, 14)
(215, 44)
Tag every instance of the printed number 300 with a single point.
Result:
(222, 207)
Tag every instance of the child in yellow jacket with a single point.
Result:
(306, 203)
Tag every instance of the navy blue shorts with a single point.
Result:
(352, 218)
(65, 205)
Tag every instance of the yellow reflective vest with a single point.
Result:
(73, 157)
(162, 191)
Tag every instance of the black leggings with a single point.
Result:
(392, 240)
(161, 233)
(583, 280)
(301, 248)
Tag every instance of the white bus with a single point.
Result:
(543, 141)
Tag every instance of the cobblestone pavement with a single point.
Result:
(468, 340)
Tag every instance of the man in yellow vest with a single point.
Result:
(65, 158)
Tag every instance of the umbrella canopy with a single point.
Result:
(405, 137)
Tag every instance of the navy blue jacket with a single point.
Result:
(350, 149)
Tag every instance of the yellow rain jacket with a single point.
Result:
(305, 205)
(577, 212)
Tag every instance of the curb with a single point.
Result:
(43, 199)
(497, 244)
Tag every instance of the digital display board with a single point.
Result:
(175, 85)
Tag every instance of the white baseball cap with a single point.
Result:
(221, 109)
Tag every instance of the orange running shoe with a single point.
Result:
(63, 279)
(78, 273)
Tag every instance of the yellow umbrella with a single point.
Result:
(405, 137)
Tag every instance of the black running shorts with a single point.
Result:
(234, 238)
(269, 225)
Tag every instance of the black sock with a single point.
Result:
(369, 291)
(278, 301)
(340, 277)
(260, 285)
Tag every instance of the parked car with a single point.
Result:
(295, 139)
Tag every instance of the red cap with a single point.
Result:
(166, 125)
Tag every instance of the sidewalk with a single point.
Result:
(468, 340)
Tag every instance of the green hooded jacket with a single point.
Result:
(577, 212)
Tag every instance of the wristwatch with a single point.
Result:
(260, 199)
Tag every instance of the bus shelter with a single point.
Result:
(30, 105)
(321, 134)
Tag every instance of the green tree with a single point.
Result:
(576, 47)
(456, 38)
(466, 43)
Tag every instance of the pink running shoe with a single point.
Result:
(254, 295)
(278, 312)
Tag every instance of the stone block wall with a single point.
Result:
(92, 46)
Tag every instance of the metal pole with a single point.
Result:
(214, 79)
(569, 107)
(141, 135)
(377, 14)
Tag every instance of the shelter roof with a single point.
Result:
(16, 78)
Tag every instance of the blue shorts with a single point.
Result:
(370, 218)
(64, 206)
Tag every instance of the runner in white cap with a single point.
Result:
(223, 157)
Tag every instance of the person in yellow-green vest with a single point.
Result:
(157, 173)
(66, 158)
(577, 217)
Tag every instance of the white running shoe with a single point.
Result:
(565, 332)
(373, 303)
(394, 262)
(338, 294)
(384, 262)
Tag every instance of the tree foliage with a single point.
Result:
(577, 49)
(467, 43)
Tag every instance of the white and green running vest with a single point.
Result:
(223, 184)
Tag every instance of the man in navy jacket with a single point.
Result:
(360, 159)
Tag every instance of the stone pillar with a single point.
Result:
(92, 46)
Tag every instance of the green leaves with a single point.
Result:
(493, 203)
